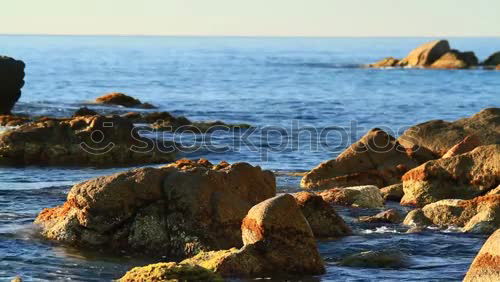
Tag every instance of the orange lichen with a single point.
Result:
(57, 212)
(487, 261)
(252, 225)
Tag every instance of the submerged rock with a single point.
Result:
(170, 271)
(368, 196)
(11, 82)
(392, 192)
(377, 259)
(486, 264)
(455, 59)
(176, 210)
(479, 215)
(376, 159)
(426, 54)
(277, 240)
(463, 176)
(121, 99)
(82, 141)
(321, 216)
(388, 216)
(440, 136)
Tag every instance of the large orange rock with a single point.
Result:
(321, 216)
(486, 265)
(426, 54)
(83, 141)
(278, 240)
(176, 210)
(376, 159)
(463, 176)
(440, 136)
(478, 215)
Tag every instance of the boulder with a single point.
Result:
(84, 111)
(426, 54)
(368, 196)
(486, 264)
(121, 99)
(377, 259)
(82, 141)
(416, 219)
(321, 216)
(171, 271)
(478, 215)
(388, 216)
(392, 192)
(455, 59)
(277, 240)
(463, 176)
(468, 144)
(11, 82)
(376, 159)
(440, 136)
(493, 60)
(177, 210)
(384, 63)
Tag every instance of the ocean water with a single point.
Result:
(308, 98)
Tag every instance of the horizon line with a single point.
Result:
(251, 36)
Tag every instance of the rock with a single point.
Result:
(495, 191)
(11, 82)
(368, 196)
(277, 240)
(463, 176)
(384, 63)
(498, 67)
(121, 99)
(170, 271)
(176, 210)
(16, 279)
(486, 264)
(388, 216)
(493, 60)
(10, 120)
(392, 192)
(84, 111)
(440, 136)
(376, 159)
(468, 144)
(377, 259)
(455, 59)
(82, 141)
(479, 215)
(416, 218)
(426, 54)
(321, 216)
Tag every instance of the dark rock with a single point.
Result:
(11, 82)
(377, 259)
(388, 216)
(393, 192)
(493, 60)
(84, 111)
(121, 99)
(455, 59)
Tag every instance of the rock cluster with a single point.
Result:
(83, 141)
(277, 240)
(176, 210)
(11, 82)
(437, 55)
(376, 159)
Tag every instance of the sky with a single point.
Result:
(331, 18)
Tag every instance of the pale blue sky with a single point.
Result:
(253, 17)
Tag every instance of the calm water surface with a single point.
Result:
(275, 84)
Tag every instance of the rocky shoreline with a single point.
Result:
(206, 221)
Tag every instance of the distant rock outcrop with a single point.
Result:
(121, 99)
(493, 60)
(455, 59)
(11, 82)
(426, 54)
